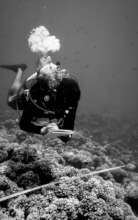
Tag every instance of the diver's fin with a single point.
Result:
(14, 67)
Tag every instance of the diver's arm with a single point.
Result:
(17, 94)
(71, 100)
(69, 118)
(69, 112)
(26, 123)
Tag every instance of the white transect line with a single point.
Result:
(108, 169)
(62, 131)
(46, 185)
(21, 193)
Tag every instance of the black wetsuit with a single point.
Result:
(62, 101)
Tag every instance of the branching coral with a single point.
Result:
(28, 180)
(24, 154)
(3, 156)
(7, 186)
(63, 208)
(72, 192)
(131, 195)
(44, 169)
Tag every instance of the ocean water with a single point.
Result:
(99, 44)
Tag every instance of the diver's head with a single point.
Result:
(47, 72)
(45, 68)
(43, 61)
(50, 72)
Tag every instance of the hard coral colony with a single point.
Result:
(71, 191)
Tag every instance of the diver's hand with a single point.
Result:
(49, 128)
(44, 130)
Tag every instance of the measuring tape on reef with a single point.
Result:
(129, 167)
(22, 193)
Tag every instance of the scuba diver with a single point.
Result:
(48, 98)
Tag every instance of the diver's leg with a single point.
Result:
(17, 83)
(15, 88)
(14, 67)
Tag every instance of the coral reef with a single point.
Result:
(72, 190)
